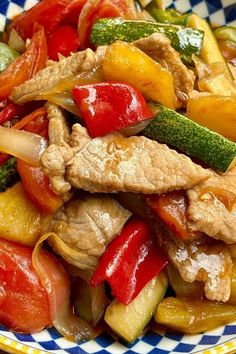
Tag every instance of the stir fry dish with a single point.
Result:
(117, 170)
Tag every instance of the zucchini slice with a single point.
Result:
(187, 41)
(182, 133)
(129, 321)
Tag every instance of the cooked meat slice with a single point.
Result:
(212, 207)
(86, 226)
(54, 161)
(159, 48)
(58, 129)
(114, 163)
(53, 74)
(203, 260)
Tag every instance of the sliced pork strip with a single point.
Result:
(58, 129)
(212, 207)
(203, 260)
(86, 226)
(53, 74)
(158, 47)
(115, 163)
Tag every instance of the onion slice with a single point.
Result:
(136, 128)
(27, 146)
(56, 282)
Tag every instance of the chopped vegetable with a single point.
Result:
(170, 16)
(20, 220)
(48, 13)
(38, 188)
(228, 49)
(64, 40)
(7, 55)
(232, 299)
(214, 112)
(226, 33)
(89, 302)
(12, 111)
(27, 146)
(153, 81)
(16, 42)
(210, 52)
(185, 40)
(107, 107)
(96, 9)
(8, 174)
(193, 316)
(130, 261)
(180, 132)
(53, 276)
(172, 209)
(24, 303)
(183, 288)
(25, 66)
(129, 321)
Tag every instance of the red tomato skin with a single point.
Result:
(24, 305)
(37, 186)
(64, 40)
(26, 65)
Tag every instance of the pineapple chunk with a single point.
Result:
(20, 220)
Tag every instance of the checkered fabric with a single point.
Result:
(219, 12)
(50, 340)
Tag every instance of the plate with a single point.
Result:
(218, 341)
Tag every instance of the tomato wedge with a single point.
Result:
(24, 305)
(172, 209)
(27, 65)
(37, 186)
(95, 9)
(50, 14)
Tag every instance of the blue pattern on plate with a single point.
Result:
(220, 12)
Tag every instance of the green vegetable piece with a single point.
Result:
(185, 40)
(182, 133)
(7, 55)
(170, 16)
(226, 33)
(8, 174)
(129, 321)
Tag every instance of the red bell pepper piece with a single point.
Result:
(13, 110)
(50, 14)
(107, 107)
(96, 9)
(64, 40)
(27, 65)
(172, 210)
(130, 261)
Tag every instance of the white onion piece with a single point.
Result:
(56, 282)
(27, 146)
(16, 42)
(135, 129)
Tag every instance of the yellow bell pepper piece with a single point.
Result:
(126, 63)
(20, 220)
(193, 316)
(214, 112)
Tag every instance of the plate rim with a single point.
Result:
(16, 347)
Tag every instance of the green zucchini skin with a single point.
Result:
(176, 130)
(187, 41)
